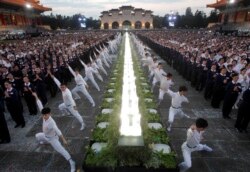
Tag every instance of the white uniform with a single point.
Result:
(51, 135)
(192, 144)
(69, 104)
(158, 74)
(89, 75)
(99, 64)
(175, 107)
(81, 87)
(164, 86)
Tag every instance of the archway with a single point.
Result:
(106, 26)
(126, 24)
(147, 25)
(115, 25)
(138, 25)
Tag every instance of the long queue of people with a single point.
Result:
(215, 64)
(73, 56)
(157, 75)
(29, 69)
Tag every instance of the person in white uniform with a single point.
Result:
(100, 65)
(103, 57)
(81, 86)
(194, 137)
(68, 104)
(166, 83)
(95, 67)
(158, 74)
(51, 135)
(175, 109)
(89, 74)
(151, 67)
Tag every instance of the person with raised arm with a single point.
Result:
(89, 74)
(99, 64)
(81, 86)
(175, 109)
(103, 57)
(95, 67)
(68, 104)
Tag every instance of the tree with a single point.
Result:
(158, 22)
(214, 17)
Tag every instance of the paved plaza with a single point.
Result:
(231, 149)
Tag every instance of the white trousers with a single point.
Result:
(99, 76)
(71, 109)
(186, 152)
(155, 81)
(173, 112)
(92, 79)
(106, 63)
(151, 75)
(55, 143)
(83, 90)
(103, 70)
(161, 94)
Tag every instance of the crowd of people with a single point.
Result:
(218, 65)
(31, 67)
(157, 75)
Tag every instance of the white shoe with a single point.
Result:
(82, 127)
(169, 129)
(207, 148)
(93, 105)
(72, 166)
(187, 116)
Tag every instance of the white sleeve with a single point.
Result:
(39, 104)
(71, 71)
(83, 64)
(94, 71)
(57, 130)
(186, 100)
(171, 93)
(58, 83)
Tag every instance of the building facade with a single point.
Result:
(127, 17)
(18, 14)
(232, 11)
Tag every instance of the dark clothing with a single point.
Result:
(218, 91)
(243, 116)
(211, 76)
(4, 132)
(230, 98)
(40, 88)
(202, 77)
(29, 98)
(14, 106)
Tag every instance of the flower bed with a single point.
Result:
(155, 155)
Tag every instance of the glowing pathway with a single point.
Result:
(130, 116)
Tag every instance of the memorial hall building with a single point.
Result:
(127, 17)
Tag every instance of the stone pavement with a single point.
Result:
(25, 154)
(231, 149)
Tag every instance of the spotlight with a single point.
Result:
(28, 6)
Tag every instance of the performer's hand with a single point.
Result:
(193, 127)
(65, 142)
(34, 94)
(6, 94)
(235, 88)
